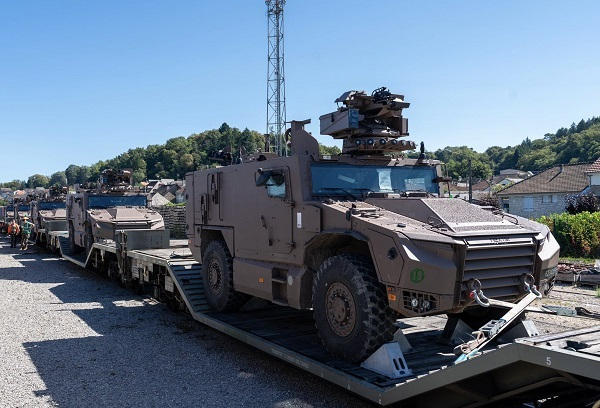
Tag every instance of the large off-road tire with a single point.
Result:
(217, 274)
(351, 312)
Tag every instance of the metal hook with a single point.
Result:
(529, 285)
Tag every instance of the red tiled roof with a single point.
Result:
(595, 167)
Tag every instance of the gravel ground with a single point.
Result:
(567, 296)
(69, 338)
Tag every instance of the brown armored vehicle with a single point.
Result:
(49, 213)
(21, 208)
(95, 213)
(363, 238)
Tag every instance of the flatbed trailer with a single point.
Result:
(562, 367)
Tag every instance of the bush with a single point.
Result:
(578, 203)
(577, 234)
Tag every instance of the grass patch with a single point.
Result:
(570, 259)
(598, 292)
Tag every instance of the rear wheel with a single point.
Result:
(351, 312)
(217, 274)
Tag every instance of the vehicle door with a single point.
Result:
(275, 205)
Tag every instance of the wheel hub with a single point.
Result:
(341, 310)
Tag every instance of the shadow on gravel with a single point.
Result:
(146, 355)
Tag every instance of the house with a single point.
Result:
(546, 192)
(6, 193)
(593, 172)
(158, 200)
(169, 190)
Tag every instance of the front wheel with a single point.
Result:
(217, 274)
(351, 312)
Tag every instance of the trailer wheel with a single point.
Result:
(351, 312)
(217, 274)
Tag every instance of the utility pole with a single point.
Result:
(276, 117)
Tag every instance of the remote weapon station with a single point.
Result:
(363, 238)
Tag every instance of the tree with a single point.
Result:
(71, 173)
(58, 179)
(83, 174)
(38, 180)
(330, 150)
(138, 175)
(186, 163)
(457, 162)
(15, 184)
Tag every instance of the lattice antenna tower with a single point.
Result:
(276, 77)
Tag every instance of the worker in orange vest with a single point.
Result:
(13, 231)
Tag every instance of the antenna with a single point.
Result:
(275, 76)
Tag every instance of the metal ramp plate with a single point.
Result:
(188, 279)
(66, 251)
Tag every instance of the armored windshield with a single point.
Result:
(23, 207)
(51, 205)
(344, 179)
(103, 201)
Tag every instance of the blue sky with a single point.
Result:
(82, 81)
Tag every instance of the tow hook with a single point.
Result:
(476, 293)
(528, 283)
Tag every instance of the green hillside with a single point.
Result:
(578, 143)
(170, 160)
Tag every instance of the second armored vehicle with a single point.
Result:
(94, 214)
(48, 213)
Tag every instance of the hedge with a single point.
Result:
(577, 234)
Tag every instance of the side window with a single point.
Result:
(276, 187)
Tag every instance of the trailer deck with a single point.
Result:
(527, 369)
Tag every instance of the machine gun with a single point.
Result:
(369, 124)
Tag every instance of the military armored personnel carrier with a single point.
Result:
(363, 238)
(48, 213)
(21, 208)
(94, 213)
